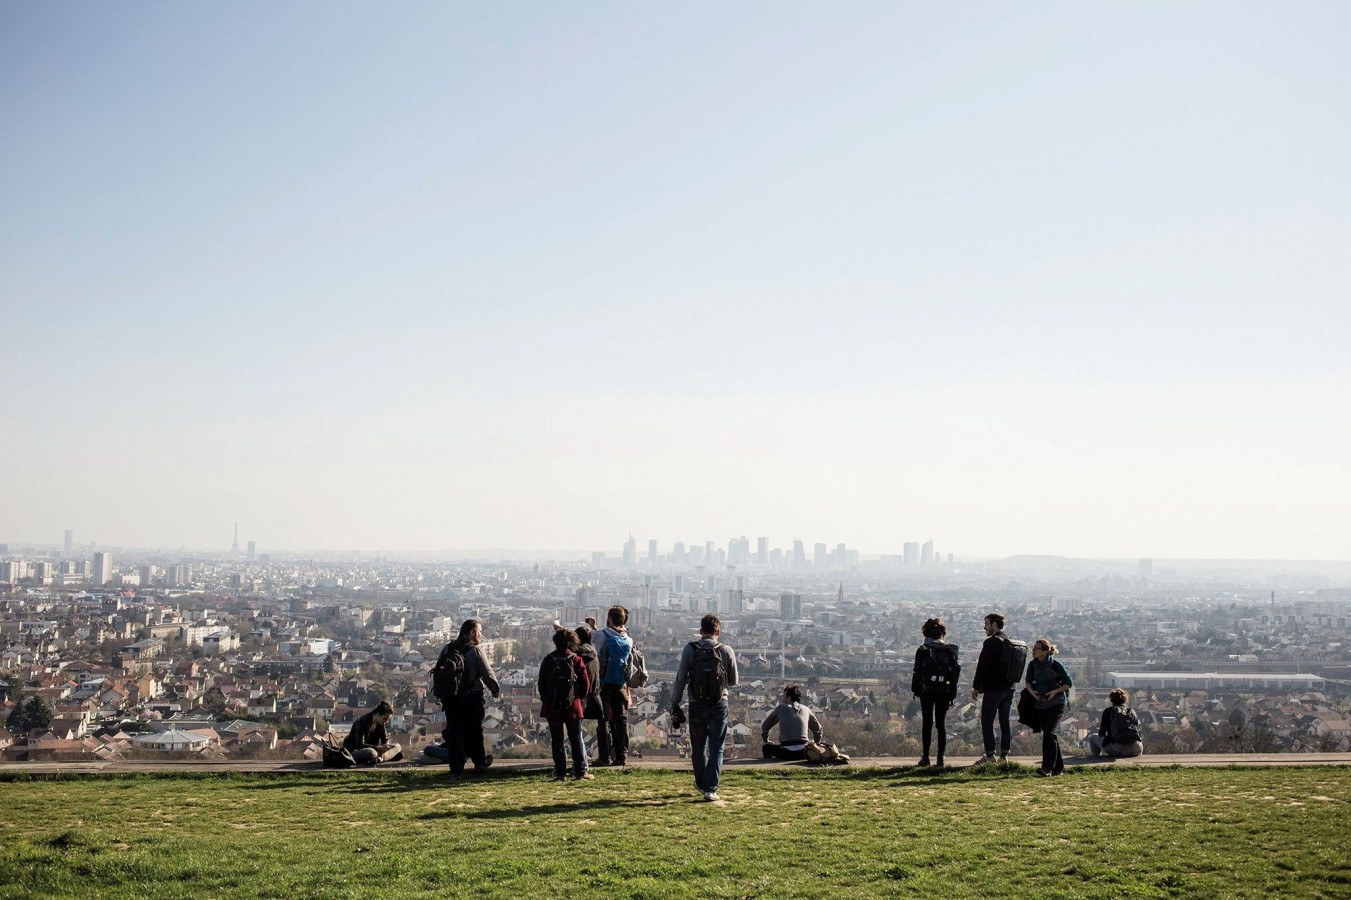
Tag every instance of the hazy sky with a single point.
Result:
(1021, 278)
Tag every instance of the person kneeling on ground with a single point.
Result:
(1119, 732)
(367, 741)
(797, 724)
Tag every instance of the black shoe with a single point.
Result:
(923, 763)
(599, 764)
(487, 764)
(940, 762)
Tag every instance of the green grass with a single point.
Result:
(1181, 832)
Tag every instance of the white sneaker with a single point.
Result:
(712, 797)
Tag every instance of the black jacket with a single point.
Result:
(591, 709)
(365, 733)
(990, 667)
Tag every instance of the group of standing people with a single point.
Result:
(1002, 664)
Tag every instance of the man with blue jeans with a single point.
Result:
(708, 668)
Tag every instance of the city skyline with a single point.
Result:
(1060, 280)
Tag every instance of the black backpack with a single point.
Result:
(939, 671)
(708, 675)
(1014, 668)
(448, 679)
(560, 687)
(1120, 728)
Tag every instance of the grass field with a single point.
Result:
(780, 832)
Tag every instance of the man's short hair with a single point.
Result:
(583, 634)
(383, 709)
(997, 619)
(617, 615)
(793, 693)
(710, 624)
(1118, 697)
(565, 640)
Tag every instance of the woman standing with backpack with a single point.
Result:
(563, 687)
(1119, 732)
(1049, 684)
(934, 682)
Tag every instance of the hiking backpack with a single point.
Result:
(939, 671)
(635, 673)
(1120, 728)
(618, 649)
(708, 675)
(448, 679)
(560, 688)
(1015, 661)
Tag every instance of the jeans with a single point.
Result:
(464, 732)
(708, 732)
(992, 702)
(1051, 760)
(369, 756)
(1100, 746)
(575, 744)
(614, 698)
(935, 711)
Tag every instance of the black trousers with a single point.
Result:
(615, 700)
(779, 751)
(996, 703)
(934, 711)
(463, 733)
(1051, 760)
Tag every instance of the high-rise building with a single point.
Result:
(710, 554)
(911, 553)
(736, 602)
(799, 555)
(819, 553)
(43, 572)
(147, 576)
(678, 554)
(630, 553)
(70, 541)
(103, 568)
(841, 556)
(652, 553)
(926, 554)
(253, 551)
(762, 551)
(696, 555)
(790, 607)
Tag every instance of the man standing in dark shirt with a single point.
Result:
(991, 682)
(466, 710)
(367, 741)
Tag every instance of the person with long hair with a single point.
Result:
(934, 682)
(1049, 685)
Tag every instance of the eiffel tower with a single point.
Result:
(234, 548)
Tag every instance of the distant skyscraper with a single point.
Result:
(911, 553)
(762, 551)
(103, 568)
(70, 541)
(819, 556)
(234, 548)
(926, 554)
(253, 551)
(710, 554)
(790, 607)
(799, 555)
(678, 554)
(630, 553)
(652, 553)
(736, 602)
(841, 556)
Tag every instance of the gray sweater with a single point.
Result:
(687, 660)
(795, 723)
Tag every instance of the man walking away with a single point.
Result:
(993, 685)
(708, 667)
(612, 654)
(460, 675)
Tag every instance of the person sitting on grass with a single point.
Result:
(367, 741)
(1119, 732)
(797, 724)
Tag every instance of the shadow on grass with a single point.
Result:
(549, 809)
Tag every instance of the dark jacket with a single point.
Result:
(1047, 675)
(990, 666)
(921, 653)
(573, 710)
(365, 733)
(1028, 714)
(591, 709)
(477, 671)
(1105, 726)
